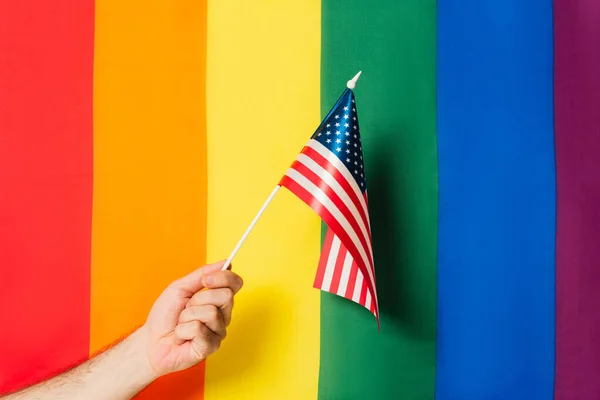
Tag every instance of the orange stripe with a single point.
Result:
(150, 165)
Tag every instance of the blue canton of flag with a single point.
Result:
(341, 135)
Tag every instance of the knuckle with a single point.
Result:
(228, 294)
(197, 326)
(186, 314)
(198, 298)
(212, 313)
(194, 328)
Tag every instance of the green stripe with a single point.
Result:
(393, 43)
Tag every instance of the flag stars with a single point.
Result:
(341, 135)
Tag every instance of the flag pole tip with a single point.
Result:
(352, 82)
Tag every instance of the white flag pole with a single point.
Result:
(260, 213)
(350, 85)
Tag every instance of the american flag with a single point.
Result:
(329, 176)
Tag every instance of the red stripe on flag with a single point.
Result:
(337, 272)
(335, 199)
(331, 221)
(339, 177)
(363, 292)
(323, 261)
(46, 76)
(351, 281)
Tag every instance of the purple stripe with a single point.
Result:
(577, 124)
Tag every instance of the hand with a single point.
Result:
(186, 324)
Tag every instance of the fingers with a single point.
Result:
(193, 282)
(221, 298)
(209, 315)
(203, 341)
(190, 330)
(223, 279)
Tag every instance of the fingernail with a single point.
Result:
(209, 280)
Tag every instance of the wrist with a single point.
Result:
(138, 351)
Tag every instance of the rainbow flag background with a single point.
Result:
(139, 138)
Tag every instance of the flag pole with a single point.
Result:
(260, 213)
(350, 85)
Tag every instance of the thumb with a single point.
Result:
(192, 282)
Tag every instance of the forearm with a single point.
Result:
(116, 374)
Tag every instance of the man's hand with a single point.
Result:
(186, 324)
(188, 321)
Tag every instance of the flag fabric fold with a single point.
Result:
(329, 176)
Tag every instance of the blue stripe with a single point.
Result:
(497, 200)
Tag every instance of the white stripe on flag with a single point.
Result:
(357, 287)
(345, 274)
(330, 267)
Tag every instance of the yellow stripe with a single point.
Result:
(262, 106)
(149, 165)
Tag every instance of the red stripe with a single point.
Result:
(337, 201)
(46, 52)
(363, 293)
(333, 224)
(339, 177)
(337, 272)
(352, 281)
(323, 260)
